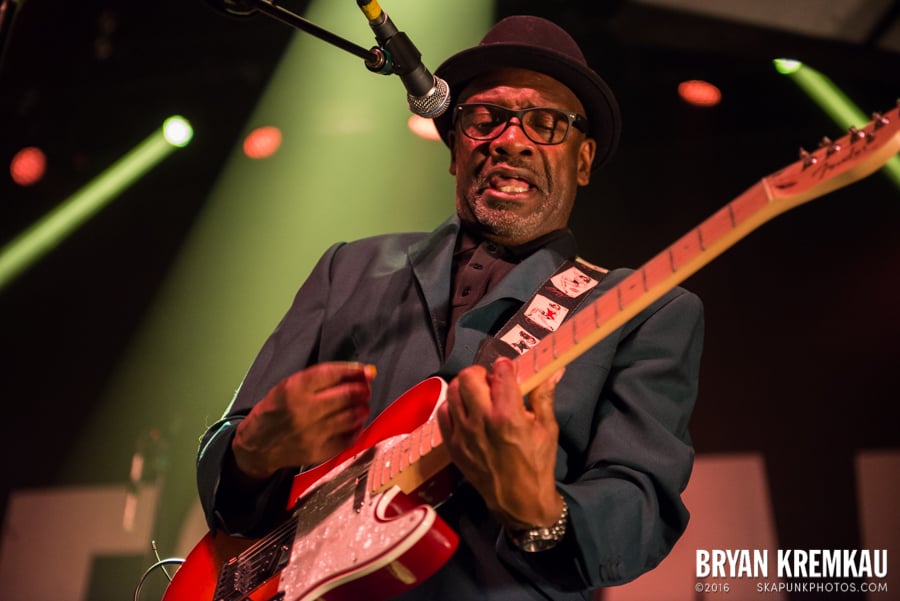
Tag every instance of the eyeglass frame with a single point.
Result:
(575, 120)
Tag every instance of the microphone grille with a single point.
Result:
(432, 104)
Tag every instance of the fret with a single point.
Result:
(543, 353)
(585, 321)
(630, 289)
(687, 247)
(657, 269)
(403, 454)
(571, 325)
(524, 366)
(425, 443)
(605, 308)
(718, 225)
(565, 336)
(393, 464)
(747, 205)
(532, 358)
(436, 438)
(415, 442)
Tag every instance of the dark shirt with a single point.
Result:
(478, 265)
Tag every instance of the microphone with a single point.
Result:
(427, 95)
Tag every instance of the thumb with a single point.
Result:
(332, 373)
(541, 398)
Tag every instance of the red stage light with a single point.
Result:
(28, 166)
(699, 93)
(262, 142)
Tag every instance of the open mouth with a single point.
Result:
(509, 183)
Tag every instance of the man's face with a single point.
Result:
(511, 189)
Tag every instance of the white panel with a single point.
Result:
(878, 494)
(51, 536)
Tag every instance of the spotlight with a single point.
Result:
(28, 166)
(699, 93)
(262, 142)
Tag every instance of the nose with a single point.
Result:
(512, 140)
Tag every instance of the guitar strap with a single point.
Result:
(557, 298)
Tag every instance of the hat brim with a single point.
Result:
(604, 120)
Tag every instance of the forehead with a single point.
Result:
(520, 87)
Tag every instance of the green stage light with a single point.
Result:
(177, 131)
(50, 230)
(786, 66)
(833, 101)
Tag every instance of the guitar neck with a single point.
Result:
(832, 166)
(647, 284)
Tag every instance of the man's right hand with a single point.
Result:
(305, 419)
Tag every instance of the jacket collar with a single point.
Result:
(431, 261)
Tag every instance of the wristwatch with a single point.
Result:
(533, 540)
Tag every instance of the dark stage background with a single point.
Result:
(801, 356)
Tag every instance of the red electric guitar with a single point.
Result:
(363, 525)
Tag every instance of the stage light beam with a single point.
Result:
(39, 239)
(346, 167)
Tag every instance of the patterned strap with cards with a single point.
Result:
(557, 298)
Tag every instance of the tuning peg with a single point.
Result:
(831, 147)
(807, 158)
(859, 134)
(879, 120)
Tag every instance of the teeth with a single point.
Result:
(513, 189)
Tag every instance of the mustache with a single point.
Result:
(523, 168)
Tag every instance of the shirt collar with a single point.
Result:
(561, 240)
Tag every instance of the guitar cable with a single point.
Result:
(160, 563)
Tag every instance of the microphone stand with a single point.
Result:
(376, 59)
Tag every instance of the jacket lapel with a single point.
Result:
(431, 260)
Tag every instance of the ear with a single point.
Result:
(586, 153)
(451, 143)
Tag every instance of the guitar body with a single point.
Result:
(344, 541)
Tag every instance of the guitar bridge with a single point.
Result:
(243, 574)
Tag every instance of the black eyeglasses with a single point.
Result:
(541, 124)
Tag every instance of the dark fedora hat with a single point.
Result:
(528, 42)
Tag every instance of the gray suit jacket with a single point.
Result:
(623, 408)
